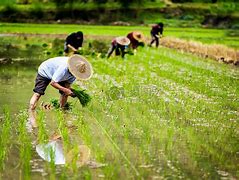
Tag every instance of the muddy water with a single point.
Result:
(17, 82)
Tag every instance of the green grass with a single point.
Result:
(5, 137)
(7, 2)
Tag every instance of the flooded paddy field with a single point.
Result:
(160, 114)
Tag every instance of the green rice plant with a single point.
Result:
(83, 97)
(25, 145)
(62, 127)
(42, 131)
(52, 163)
(5, 131)
(55, 103)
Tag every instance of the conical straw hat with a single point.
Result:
(124, 41)
(80, 67)
(138, 36)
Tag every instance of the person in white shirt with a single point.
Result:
(59, 72)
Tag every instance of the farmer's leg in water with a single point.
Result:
(40, 86)
(32, 107)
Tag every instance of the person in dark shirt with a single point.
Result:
(118, 44)
(136, 38)
(73, 42)
(156, 29)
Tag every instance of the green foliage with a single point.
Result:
(83, 97)
(5, 129)
(25, 145)
(37, 11)
(56, 104)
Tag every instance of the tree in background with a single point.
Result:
(127, 3)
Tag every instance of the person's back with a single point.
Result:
(56, 69)
(156, 29)
(133, 42)
(73, 41)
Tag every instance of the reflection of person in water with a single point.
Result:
(71, 154)
(54, 150)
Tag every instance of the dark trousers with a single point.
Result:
(118, 50)
(154, 39)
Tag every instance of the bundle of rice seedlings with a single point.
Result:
(83, 97)
(56, 104)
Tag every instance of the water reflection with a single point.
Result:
(54, 151)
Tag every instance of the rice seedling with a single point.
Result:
(63, 129)
(55, 103)
(5, 130)
(25, 146)
(42, 136)
(83, 97)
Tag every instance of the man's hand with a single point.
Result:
(68, 92)
(72, 48)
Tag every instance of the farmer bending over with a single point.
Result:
(118, 44)
(156, 29)
(136, 39)
(73, 42)
(59, 72)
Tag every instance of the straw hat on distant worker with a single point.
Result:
(124, 41)
(138, 36)
(80, 67)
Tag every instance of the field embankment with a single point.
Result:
(220, 53)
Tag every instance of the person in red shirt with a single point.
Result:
(136, 38)
(156, 29)
(118, 45)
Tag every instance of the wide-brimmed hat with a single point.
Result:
(138, 36)
(122, 40)
(80, 67)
